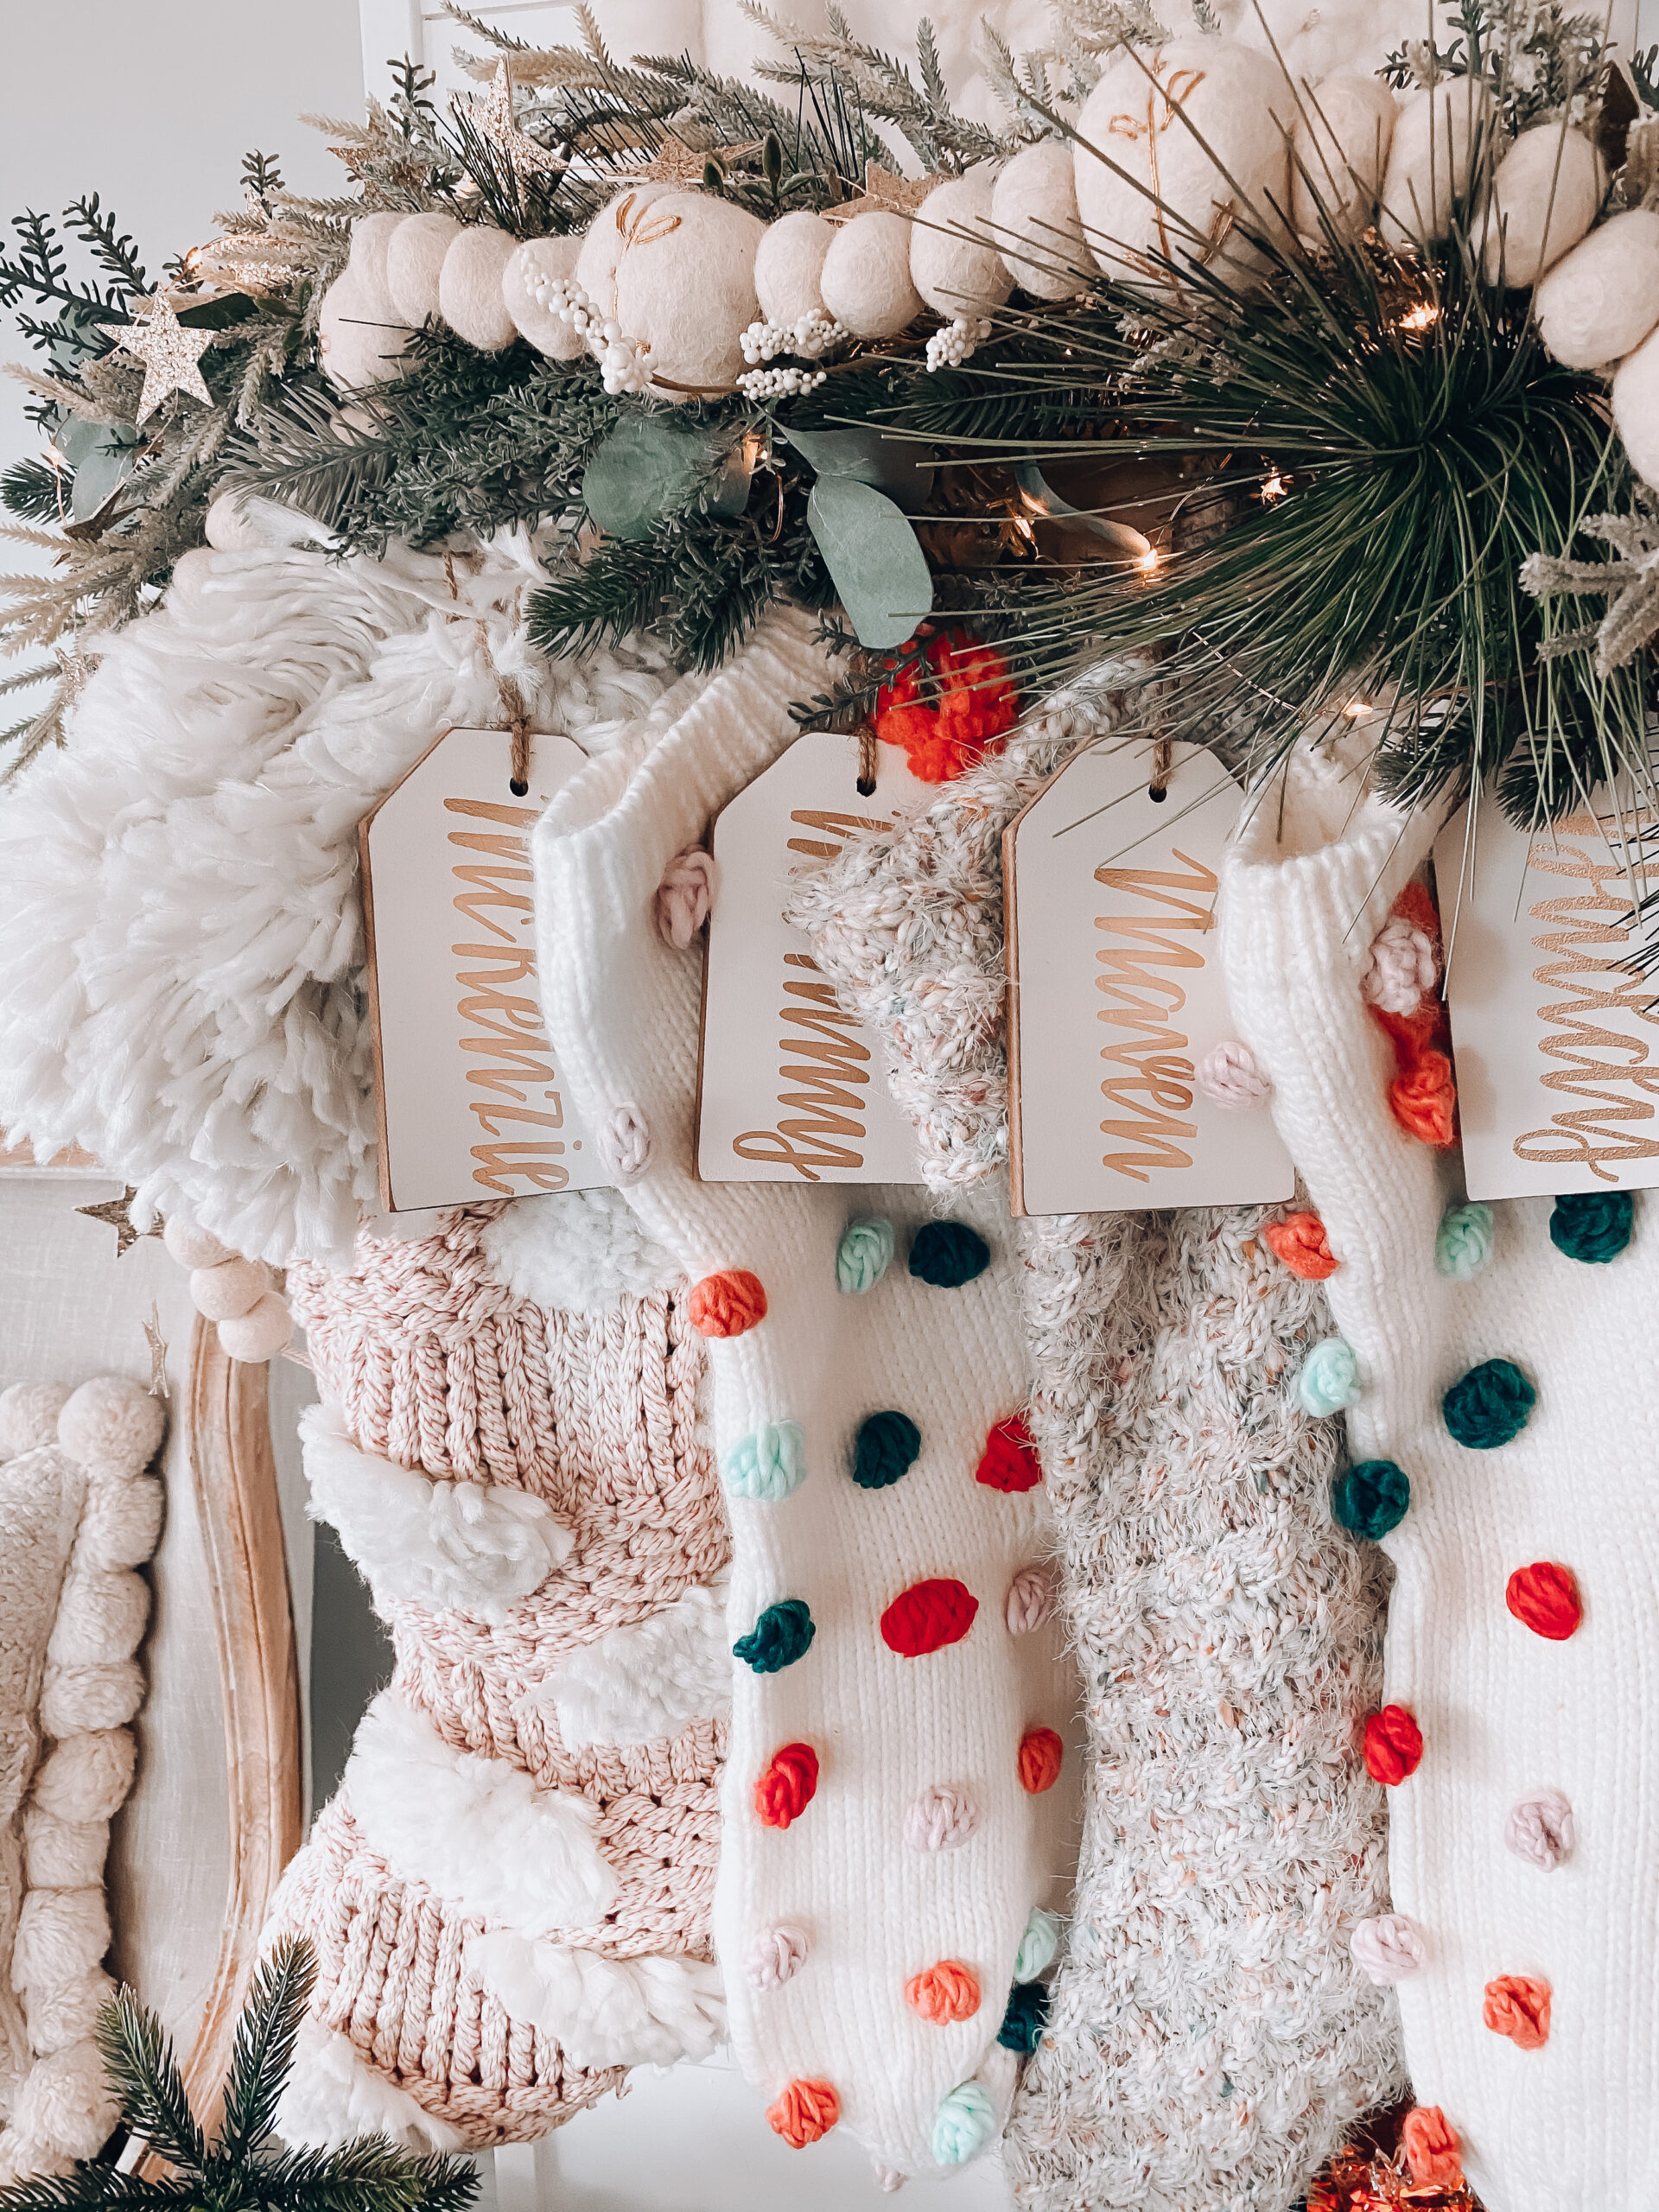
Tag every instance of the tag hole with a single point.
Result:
(864, 788)
(1156, 794)
(522, 791)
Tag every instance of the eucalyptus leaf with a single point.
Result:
(896, 465)
(650, 466)
(102, 472)
(872, 555)
(221, 313)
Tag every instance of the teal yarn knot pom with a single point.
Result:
(948, 1254)
(769, 1465)
(887, 1445)
(1462, 1242)
(1026, 2018)
(863, 1255)
(1489, 1405)
(780, 1636)
(1037, 1945)
(1330, 1379)
(964, 2124)
(1595, 1227)
(1369, 1498)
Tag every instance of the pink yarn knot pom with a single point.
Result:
(1540, 1829)
(1228, 1076)
(888, 2177)
(941, 1819)
(1401, 967)
(686, 896)
(775, 1956)
(1387, 1949)
(624, 1138)
(1030, 1600)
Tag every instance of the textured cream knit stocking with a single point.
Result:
(1512, 1386)
(895, 1722)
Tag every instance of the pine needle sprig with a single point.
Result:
(144, 2071)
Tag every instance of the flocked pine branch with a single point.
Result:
(1629, 581)
(940, 138)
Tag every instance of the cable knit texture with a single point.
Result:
(1509, 1718)
(510, 1897)
(829, 1754)
(1210, 2035)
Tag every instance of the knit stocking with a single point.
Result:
(893, 1729)
(1506, 1439)
(1209, 2036)
(508, 1897)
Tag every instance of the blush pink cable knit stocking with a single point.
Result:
(509, 1896)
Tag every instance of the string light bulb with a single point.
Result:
(1273, 488)
(1147, 562)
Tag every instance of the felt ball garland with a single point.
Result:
(1594, 1227)
(1009, 1461)
(1369, 1498)
(728, 1303)
(1517, 2005)
(864, 1255)
(1041, 1754)
(1394, 1745)
(1489, 1406)
(788, 1786)
(887, 1447)
(782, 1635)
(948, 1254)
(1544, 1598)
(928, 1616)
(1301, 1242)
(1026, 2018)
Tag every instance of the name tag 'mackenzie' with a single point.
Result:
(791, 1089)
(1116, 992)
(471, 1103)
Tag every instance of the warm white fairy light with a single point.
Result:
(1273, 486)
(1147, 562)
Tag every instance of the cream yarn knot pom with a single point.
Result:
(1387, 1949)
(686, 896)
(1540, 1829)
(1030, 1599)
(625, 1144)
(776, 1955)
(1228, 1076)
(1401, 967)
(941, 1819)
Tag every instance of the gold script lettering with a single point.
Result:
(1143, 1002)
(828, 1105)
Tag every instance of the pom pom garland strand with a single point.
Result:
(1462, 1242)
(948, 1254)
(1544, 1598)
(788, 1786)
(1489, 1406)
(887, 1448)
(1540, 1830)
(1329, 1378)
(1594, 1227)
(1394, 1745)
(864, 1255)
(727, 1303)
(1369, 1498)
(1517, 2005)
(929, 1616)
(782, 1635)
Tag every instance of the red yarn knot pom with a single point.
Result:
(1432, 2151)
(1040, 1754)
(945, 1992)
(1394, 1744)
(1301, 1241)
(804, 2113)
(1545, 1598)
(1517, 2005)
(970, 702)
(927, 1616)
(726, 1304)
(787, 1787)
(1010, 1461)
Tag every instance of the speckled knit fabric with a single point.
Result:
(1209, 2036)
(510, 1896)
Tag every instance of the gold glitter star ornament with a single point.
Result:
(169, 353)
(493, 115)
(117, 1212)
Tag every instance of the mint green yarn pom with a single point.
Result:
(1330, 1379)
(1462, 1242)
(964, 2124)
(1037, 1945)
(864, 1255)
(769, 1465)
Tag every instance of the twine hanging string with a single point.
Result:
(866, 759)
(515, 710)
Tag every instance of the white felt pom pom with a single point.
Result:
(1034, 199)
(101, 1618)
(415, 257)
(953, 264)
(121, 1524)
(1635, 408)
(1599, 302)
(190, 1246)
(371, 237)
(28, 1416)
(259, 1334)
(63, 1854)
(866, 280)
(1436, 134)
(111, 1422)
(469, 288)
(84, 1697)
(601, 247)
(354, 346)
(1339, 152)
(789, 267)
(233, 1286)
(1209, 132)
(86, 1777)
(685, 291)
(1544, 199)
(542, 261)
(64, 2105)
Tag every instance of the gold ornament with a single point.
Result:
(884, 193)
(493, 115)
(674, 162)
(157, 1344)
(118, 1213)
(73, 668)
(169, 353)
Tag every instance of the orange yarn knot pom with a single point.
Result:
(1394, 1744)
(1423, 1096)
(945, 1992)
(1545, 1598)
(787, 1787)
(804, 2113)
(726, 1304)
(1301, 1241)
(1432, 2151)
(1517, 2005)
(1040, 1754)
(927, 1616)
(1424, 1101)
(971, 703)
(1010, 1462)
